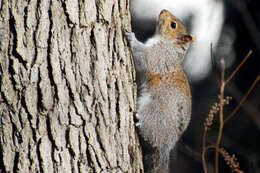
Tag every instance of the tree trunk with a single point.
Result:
(67, 93)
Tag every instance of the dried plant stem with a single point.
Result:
(210, 147)
(249, 22)
(203, 154)
(238, 67)
(204, 150)
(242, 100)
(218, 107)
(231, 160)
(221, 120)
(194, 154)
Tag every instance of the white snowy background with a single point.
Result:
(204, 19)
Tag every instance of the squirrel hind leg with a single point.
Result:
(157, 161)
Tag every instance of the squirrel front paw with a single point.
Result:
(130, 35)
(132, 39)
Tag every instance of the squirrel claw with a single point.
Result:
(137, 116)
(138, 124)
(130, 35)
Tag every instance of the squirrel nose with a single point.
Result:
(193, 37)
(164, 11)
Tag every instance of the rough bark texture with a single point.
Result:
(67, 94)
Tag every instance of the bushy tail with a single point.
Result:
(156, 161)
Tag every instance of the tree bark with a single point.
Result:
(67, 92)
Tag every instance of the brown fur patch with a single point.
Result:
(175, 79)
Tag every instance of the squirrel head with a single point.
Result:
(172, 29)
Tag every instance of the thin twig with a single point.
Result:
(210, 147)
(222, 101)
(221, 122)
(194, 154)
(203, 154)
(231, 160)
(213, 63)
(242, 100)
(250, 24)
(238, 67)
(204, 150)
(250, 107)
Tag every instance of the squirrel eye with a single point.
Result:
(173, 25)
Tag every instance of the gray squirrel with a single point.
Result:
(164, 98)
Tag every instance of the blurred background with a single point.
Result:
(232, 27)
